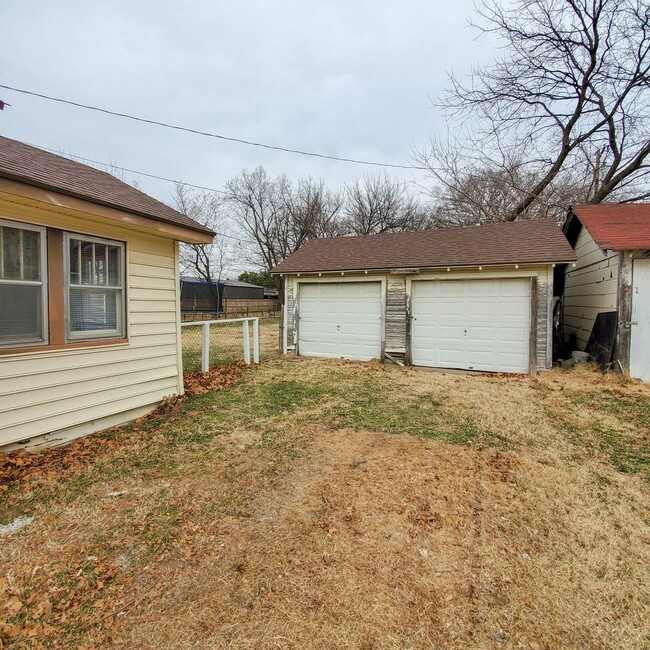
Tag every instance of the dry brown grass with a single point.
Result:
(299, 527)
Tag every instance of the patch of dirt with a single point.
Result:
(380, 541)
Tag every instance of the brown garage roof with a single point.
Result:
(617, 227)
(33, 166)
(520, 242)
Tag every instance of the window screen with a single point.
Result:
(22, 290)
(95, 282)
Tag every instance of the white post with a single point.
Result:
(247, 343)
(256, 340)
(205, 348)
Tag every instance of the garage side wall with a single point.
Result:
(590, 288)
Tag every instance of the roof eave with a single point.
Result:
(75, 195)
(164, 227)
(388, 269)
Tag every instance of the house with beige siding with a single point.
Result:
(89, 298)
(477, 298)
(611, 275)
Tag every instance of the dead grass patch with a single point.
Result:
(292, 510)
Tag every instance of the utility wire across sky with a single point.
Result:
(133, 171)
(249, 143)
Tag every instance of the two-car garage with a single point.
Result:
(464, 324)
(475, 298)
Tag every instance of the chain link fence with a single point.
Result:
(226, 342)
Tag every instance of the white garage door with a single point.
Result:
(471, 324)
(640, 335)
(340, 320)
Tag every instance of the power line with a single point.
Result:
(210, 135)
(133, 171)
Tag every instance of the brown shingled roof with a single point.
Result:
(520, 242)
(618, 227)
(33, 166)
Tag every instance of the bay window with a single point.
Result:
(23, 289)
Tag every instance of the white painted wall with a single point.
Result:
(590, 288)
(61, 394)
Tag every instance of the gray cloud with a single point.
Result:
(349, 79)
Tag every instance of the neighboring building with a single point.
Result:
(89, 298)
(477, 298)
(612, 274)
(215, 297)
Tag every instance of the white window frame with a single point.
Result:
(31, 342)
(94, 335)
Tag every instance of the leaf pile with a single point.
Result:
(60, 598)
(42, 466)
(197, 383)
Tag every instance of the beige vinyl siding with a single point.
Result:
(590, 287)
(63, 393)
(398, 295)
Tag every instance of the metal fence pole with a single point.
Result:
(256, 340)
(205, 348)
(247, 344)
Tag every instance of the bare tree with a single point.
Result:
(477, 196)
(378, 204)
(205, 261)
(570, 92)
(277, 216)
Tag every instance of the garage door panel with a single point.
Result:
(340, 320)
(471, 324)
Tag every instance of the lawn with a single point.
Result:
(325, 504)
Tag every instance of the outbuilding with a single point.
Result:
(475, 298)
(203, 296)
(611, 276)
(89, 298)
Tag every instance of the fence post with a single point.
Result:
(247, 344)
(205, 348)
(256, 340)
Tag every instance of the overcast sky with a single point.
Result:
(344, 78)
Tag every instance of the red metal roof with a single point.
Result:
(520, 242)
(617, 227)
(26, 164)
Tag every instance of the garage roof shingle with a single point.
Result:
(33, 166)
(519, 242)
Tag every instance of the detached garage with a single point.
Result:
(477, 298)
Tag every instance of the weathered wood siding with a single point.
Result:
(544, 315)
(590, 288)
(396, 316)
(61, 394)
(290, 290)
